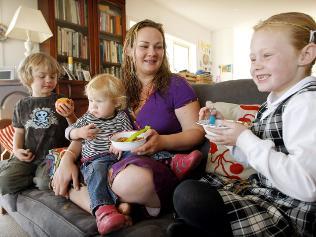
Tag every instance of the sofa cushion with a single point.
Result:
(240, 112)
(53, 159)
(8, 202)
(219, 159)
(55, 215)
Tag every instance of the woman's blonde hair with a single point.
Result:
(110, 86)
(26, 68)
(132, 84)
(298, 24)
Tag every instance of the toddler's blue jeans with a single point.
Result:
(95, 174)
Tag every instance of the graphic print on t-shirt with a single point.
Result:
(42, 118)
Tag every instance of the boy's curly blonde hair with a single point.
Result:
(110, 86)
(26, 68)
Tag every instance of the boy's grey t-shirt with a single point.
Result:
(44, 127)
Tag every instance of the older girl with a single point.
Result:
(280, 199)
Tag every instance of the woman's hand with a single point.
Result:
(227, 136)
(24, 155)
(153, 144)
(67, 171)
(206, 112)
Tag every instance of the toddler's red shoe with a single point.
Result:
(109, 219)
(182, 164)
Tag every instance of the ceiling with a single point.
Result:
(219, 14)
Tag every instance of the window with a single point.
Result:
(181, 54)
(181, 57)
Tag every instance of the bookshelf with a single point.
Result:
(110, 34)
(91, 32)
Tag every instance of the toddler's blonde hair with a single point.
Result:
(26, 68)
(110, 86)
(298, 24)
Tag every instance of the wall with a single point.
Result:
(223, 52)
(174, 24)
(232, 47)
(12, 51)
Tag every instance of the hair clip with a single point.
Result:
(312, 36)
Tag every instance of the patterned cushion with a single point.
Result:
(220, 160)
(6, 138)
(53, 159)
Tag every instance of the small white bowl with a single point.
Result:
(127, 146)
(207, 126)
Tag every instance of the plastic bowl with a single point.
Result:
(207, 126)
(126, 146)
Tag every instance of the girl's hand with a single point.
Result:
(227, 136)
(24, 155)
(116, 152)
(88, 132)
(206, 112)
(152, 145)
(66, 109)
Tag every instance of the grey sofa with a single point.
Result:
(41, 213)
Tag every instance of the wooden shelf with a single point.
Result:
(89, 27)
(112, 10)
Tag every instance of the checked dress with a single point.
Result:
(254, 206)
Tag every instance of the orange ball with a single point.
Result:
(63, 100)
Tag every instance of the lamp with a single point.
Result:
(28, 24)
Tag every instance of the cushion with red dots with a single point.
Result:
(220, 161)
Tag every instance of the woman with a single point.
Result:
(157, 98)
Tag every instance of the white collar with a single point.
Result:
(273, 101)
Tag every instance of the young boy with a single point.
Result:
(38, 127)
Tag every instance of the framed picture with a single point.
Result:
(69, 74)
(80, 75)
(86, 75)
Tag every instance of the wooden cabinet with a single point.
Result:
(75, 91)
(90, 31)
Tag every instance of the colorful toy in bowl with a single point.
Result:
(63, 100)
(119, 140)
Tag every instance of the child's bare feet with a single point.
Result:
(129, 221)
(124, 208)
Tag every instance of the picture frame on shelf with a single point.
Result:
(80, 75)
(86, 75)
(69, 73)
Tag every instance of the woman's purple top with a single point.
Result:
(159, 110)
(159, 113)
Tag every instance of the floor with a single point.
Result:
(9, 228)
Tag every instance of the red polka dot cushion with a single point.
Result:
(220, 161)
(6, 138)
